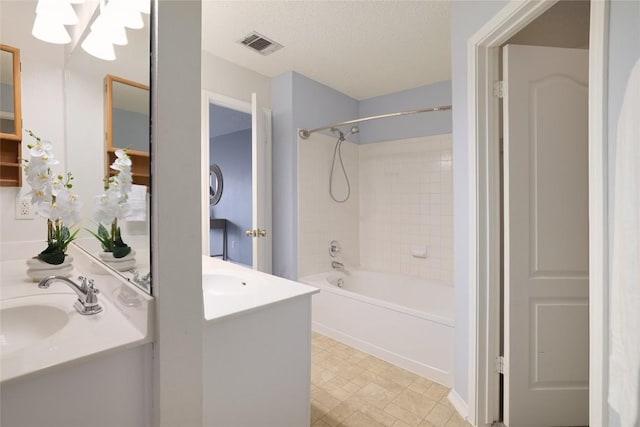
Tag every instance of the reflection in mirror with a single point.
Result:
(127, 124)
(91, 146)
(10, 117)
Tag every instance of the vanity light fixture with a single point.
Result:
(107, 29)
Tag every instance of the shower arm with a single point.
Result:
(304, 134)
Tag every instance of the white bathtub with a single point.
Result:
(405, 320)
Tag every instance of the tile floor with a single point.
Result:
(350, 388)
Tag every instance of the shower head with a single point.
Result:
(353, 130)
(341, 137)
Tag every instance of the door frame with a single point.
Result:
(207, 98)
(484, 215)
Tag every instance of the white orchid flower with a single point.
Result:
(41, 148)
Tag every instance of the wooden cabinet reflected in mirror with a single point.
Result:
(127, 125)
(10, 117)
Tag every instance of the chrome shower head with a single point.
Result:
(354, 130)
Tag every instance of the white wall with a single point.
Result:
(42, 107)
(177, 231)
(321, 219)
(225, 78)
(406, 200)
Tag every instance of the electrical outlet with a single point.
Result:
(24, 210)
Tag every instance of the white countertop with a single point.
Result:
(123, 323)
(231, 290)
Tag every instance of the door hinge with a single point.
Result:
(498, 88)
(500, 364)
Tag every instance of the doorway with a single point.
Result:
(236, 170)
(485, 202)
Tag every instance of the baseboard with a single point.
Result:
(459, 404)
(430, 372)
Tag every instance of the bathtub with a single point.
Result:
(404, 320)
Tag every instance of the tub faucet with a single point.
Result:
(336, 265)
(87, 302)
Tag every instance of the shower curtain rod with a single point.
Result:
(304, 134)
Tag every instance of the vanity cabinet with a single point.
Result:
(10, 117)
(127, 125)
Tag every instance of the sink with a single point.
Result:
(24, 325)
(228, 293)
(224, 284)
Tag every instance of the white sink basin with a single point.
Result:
(220, 285)
(24, 325)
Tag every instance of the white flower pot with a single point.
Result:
(119, 264)
(38, 269)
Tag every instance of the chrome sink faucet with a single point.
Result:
(87, 302)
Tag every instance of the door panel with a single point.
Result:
(546, 236)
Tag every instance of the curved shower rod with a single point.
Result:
(304, 134)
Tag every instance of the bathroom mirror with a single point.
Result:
(127, 124)
(215, 184)
(107, 107)
(10, 117)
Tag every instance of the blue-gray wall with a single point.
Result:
(232, 152)
(466, 18)
(406, 126)
(624, 52)
(297, 102)
(130, 130)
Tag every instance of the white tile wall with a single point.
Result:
(406, 199)
(320, 219)
(401, 195)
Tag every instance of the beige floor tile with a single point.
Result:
(324, 398)
(376, 395)
(400, 376)
(418, 387)
(402, 414)
(359, 419)
(318, 410)
(321, 423)
(439, 415)
(391, 386)
(415, 403)
(436, 392)
(351, 388)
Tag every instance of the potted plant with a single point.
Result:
(53, 199)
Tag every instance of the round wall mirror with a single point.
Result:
(215, 184)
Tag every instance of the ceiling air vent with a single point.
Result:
(260, 43)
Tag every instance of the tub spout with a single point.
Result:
(336, 265)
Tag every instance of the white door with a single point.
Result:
(261, 186)
(546, 240)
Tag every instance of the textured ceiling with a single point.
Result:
(360, 48)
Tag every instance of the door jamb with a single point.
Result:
(484, 256)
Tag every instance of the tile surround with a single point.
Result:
(350, 388)
(401, 195)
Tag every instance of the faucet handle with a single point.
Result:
(91, 287)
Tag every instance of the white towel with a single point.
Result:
(624, 357)
(137, 203)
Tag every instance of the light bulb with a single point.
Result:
(109, 29)
(59, 10)
(50, 30)
(126, 12)
(98, 47)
